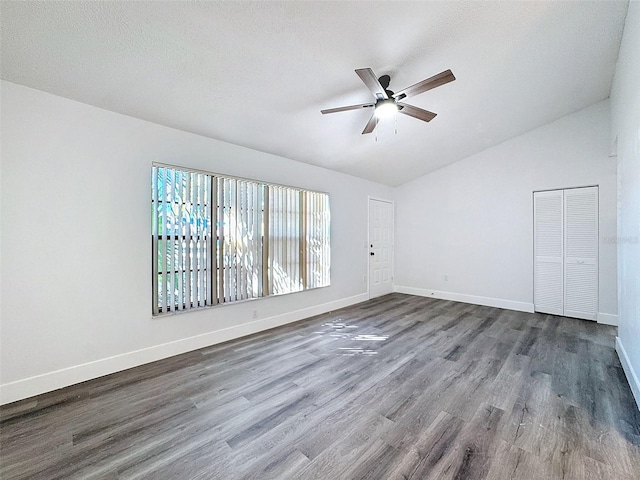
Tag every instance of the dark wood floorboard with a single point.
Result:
(399, 387)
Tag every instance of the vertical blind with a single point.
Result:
(285, 246)
(316, 217)
(239, 232)
(218, 239)
(182, 241)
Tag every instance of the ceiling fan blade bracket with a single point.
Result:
(344, 109)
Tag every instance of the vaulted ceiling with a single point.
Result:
(257, 74)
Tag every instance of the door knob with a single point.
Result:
(372, 254)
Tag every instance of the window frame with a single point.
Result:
(215, 261)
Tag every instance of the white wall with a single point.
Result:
(75, 259)
(625, 130)
(472, 220)
(75, 251)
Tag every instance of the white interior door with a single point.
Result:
(581, 253)
(380, 247)
(548, 282)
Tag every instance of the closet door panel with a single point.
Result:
(581, 253)
(548, 291)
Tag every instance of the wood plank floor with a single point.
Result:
(399, 387)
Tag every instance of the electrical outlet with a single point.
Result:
(254, 314)
(446, 278)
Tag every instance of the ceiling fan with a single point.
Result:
(388, 103)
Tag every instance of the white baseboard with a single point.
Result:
(460, 297)
(607, 319)
(29, 387)
(632, 376)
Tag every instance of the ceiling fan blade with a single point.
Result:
(350, 107)
(371, 124)
(370, 80)
(428, 84)
(419, 113)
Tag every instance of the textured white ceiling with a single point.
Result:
(257, 73)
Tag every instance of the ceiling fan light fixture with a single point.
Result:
(386, 108)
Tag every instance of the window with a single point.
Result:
(219, 239)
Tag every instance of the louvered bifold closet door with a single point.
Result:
(581, 253)
(548, 248)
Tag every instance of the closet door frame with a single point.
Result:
(536, 258)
